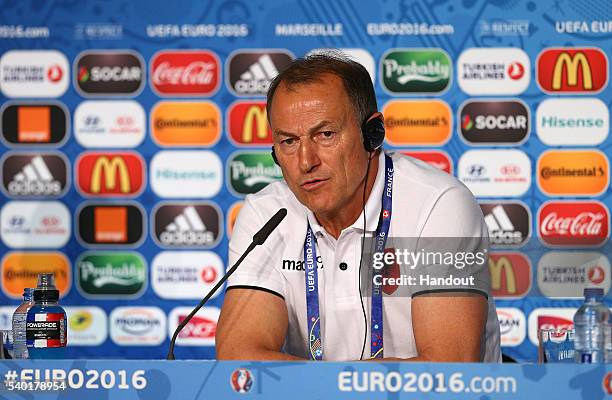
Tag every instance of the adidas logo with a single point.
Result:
(501, 228)
(257, 78)
(34, 179)
(187, 229)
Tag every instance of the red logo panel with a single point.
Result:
(554, 322)
(198, 328)
(572, 70)
(112, 174)
(510, 274)
(574, 223)
(437, 159)
(248, 124)
(191, 73)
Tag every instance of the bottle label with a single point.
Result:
(46, 330)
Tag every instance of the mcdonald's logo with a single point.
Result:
(572, 70)
(248, 124)
(110, 174)
(510, 274)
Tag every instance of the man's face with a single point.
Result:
(318, 143)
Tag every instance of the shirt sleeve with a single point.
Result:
(257, 270)
(455, 230)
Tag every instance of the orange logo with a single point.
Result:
(20, 270)
(232, 214)
(573, 172)
(186, 123)
(417, 122)
(34, 124)
(110, 224)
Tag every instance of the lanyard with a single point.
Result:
(315, 343)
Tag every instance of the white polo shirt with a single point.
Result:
(426, 203)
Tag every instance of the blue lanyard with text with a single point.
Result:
(315, 343)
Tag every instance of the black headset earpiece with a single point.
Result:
(373, 131)
(274, 157)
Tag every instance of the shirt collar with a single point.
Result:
(372, 207)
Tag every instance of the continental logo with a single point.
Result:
(417, 122)
(186, 123)
(510, 274)
(572, 70)
(247, 124)
(112, 174)
(20, 270)
(39, 124)
(573, 172)
(232, 214)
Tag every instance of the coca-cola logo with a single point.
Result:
(198, 328)
(574, 223)
(547, 322)
(190, 73)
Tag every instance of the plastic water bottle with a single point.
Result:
(591, 324)
(19, 325)
(46, 328)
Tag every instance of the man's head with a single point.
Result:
(316, 108)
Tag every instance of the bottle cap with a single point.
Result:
(45, 289)
(593, 292)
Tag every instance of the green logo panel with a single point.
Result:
(416, 71)
(109, 274)
(249, 172)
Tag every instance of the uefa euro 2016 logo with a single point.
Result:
(242, 380)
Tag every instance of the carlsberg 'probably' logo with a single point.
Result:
(249, 172)
(416, 71)
(111, 274)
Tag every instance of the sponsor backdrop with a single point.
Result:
(132, 130)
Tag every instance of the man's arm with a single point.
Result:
(252, 326)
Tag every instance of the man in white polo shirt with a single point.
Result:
(338, 181)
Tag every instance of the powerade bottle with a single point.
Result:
(19, 325)
(591, 326)
(46, 329)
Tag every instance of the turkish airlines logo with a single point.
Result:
(568, 223)
(510, 274)
(572, 70)
(109, 73)
(110, 174)
(509, 223)
(110, 224)
(249, 73)
(248, 124)
(437, 159)
(494, 121)
(195, 225)
(490, 71)
(565, 274)
(185, 73)
(35, 175)
(573, 172)
(34, 124)
(34, 73)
